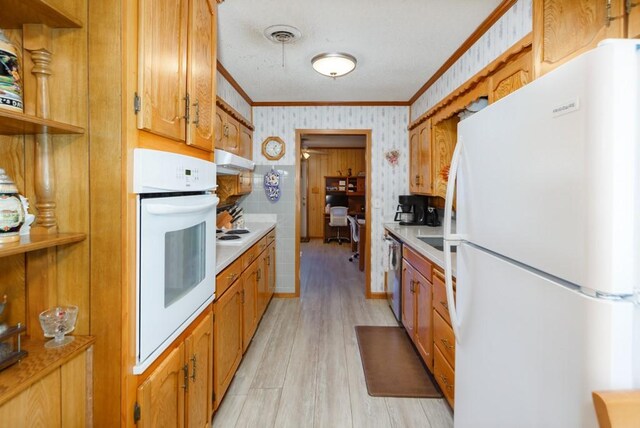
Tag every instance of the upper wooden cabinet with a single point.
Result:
(201, 73)
(512, 76)
(633, 22)
(246, 142)
(420, 167)
(444, 142)
(563, 29)
(227, 133)
(176, 80)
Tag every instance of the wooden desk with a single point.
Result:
(362, 235)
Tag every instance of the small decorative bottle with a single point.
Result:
(12, 213)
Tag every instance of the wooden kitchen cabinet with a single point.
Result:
(443, 338)
(250, 279)
(227, 336)
(408, 298)
(633, 19)
(177, 392)
(246, 142)
(511, 76)
(161, 397)
(199, 352)
(563, 29)
(176, 77)
(238, 308)
(444, 142)
(416, 297)
(420, 163)
(227, 133)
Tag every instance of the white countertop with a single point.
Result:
(226, 254)
(409, 236)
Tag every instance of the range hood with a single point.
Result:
(230, 164)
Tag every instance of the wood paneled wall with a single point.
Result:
(335, 162)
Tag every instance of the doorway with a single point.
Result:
(311, 145)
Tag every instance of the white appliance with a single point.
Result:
(176, 225)
(394, 275)
(548, 236)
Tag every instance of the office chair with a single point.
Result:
(355, 237)
(338, 218)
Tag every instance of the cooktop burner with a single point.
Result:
(228, 237)
(236, 232)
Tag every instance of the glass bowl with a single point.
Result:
(56, 322)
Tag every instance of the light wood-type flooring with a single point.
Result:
(303, 368)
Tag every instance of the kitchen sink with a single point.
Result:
(435, 242)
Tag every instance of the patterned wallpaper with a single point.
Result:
(389, 131)
(228, 93)
(511, 27)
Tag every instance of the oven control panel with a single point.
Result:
(152, 172)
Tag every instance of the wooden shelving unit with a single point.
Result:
(15, 13)
(38, 242)
(14, 123)
(39, 363)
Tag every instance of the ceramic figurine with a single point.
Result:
(28, 218)
(10, 81)
(12, 212)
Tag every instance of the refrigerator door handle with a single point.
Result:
(451, 239)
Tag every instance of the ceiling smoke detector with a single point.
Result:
(282, 33)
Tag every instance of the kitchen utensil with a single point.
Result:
(56, 322)
(223, 220)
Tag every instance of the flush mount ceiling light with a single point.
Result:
(334, 64)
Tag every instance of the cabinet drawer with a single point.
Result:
(249, 256)
(271, 236)
(421, 264)
(440, 302)
(444, 375)
(225, 278)
(261, 245)
(444, 339)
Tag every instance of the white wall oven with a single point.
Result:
(176, 247)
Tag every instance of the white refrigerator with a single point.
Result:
(548, 245)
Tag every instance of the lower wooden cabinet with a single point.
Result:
(416, 300)
(249, 284)
(249, 279)
(445, 376)
(444, 342)
(177, 393)
(227, 337)
(59, 399)
(408, 298)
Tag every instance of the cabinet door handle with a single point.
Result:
(259, 274)
(630, 5)
(187, 107)
(196, 120)
(444, 305)
(225, 130)
(185, 370)
(417, 180)
(193, 363)
(268, 260)
(446, 344)
(232, 276)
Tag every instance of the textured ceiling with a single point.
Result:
(399, 44)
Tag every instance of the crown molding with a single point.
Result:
(474, 37)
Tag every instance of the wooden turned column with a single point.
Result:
(44, 166)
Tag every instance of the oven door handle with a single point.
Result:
(164, 209)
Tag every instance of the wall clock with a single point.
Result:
(273, 148)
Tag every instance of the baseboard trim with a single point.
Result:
(377, 295)
(286, 295)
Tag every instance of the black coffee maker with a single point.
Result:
(412, 210)
(432, 217)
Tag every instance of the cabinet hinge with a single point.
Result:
(630, 5)
(136, 103)
(136, 413)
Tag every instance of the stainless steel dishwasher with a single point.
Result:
(394, 276)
